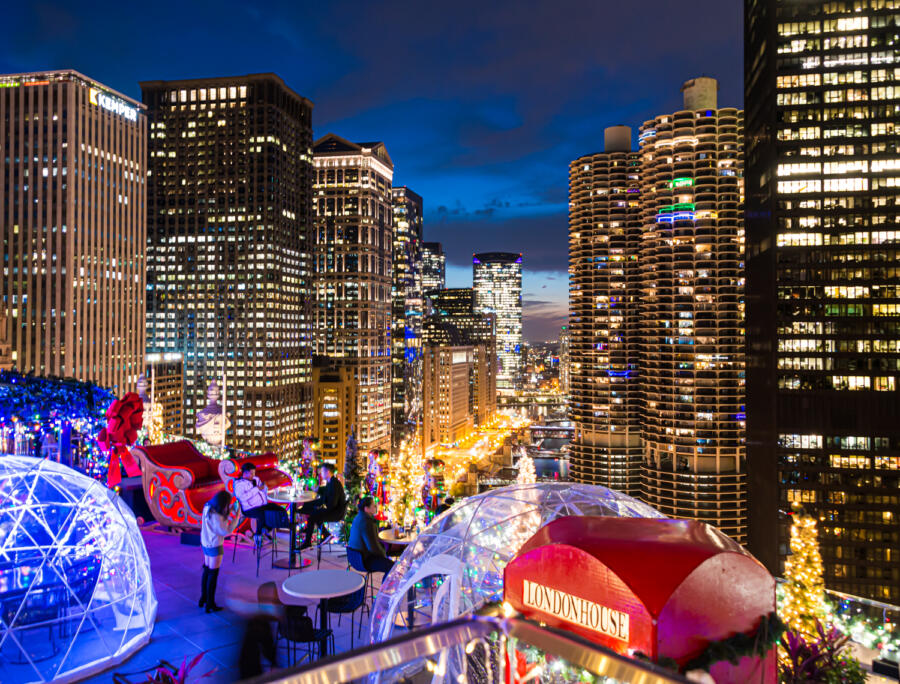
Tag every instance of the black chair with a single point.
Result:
(295, 627)
(355, 562)
(341, 605)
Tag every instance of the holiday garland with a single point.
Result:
(732, 649)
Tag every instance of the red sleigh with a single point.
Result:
(178, 480)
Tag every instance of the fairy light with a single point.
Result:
(804, 586)
(526, 474)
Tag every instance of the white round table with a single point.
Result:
(289, 495)
(321, 585)
(388, 537)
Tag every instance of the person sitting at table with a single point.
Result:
(329, 506)
(364, 539)
(445, 506)
(253, 496)
(216, 524)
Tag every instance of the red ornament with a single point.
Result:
(123, 420)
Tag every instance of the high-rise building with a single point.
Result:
(823, 419)
(229, 250)
(406, 325)
(165, 383)
(73, 188)
(692, 287)
(434, 267)
(603, 374)
(334, 407)
(447, 415)
(656, 249)
(354, 245)
(565, 341)
(497, 282)
(454, 322)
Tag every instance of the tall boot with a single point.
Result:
(204, 579)
(213, 580)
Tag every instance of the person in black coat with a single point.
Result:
(364, 538)
(329, 506)
(445, 506)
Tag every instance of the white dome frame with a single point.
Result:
(470, 545)
(76, 592)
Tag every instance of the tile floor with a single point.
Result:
(184, 630)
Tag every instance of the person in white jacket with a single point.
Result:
(220, 516)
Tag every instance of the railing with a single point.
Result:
(484, 649)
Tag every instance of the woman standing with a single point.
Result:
(217, 524)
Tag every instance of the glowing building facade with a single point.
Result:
(229, 249)
(497, 282)
(406, 306)
(823, 170)
(334, 408)
(454, 322)
(656, 298)
(692, 345)
(434, 267)
(601, 366)
(73, 215)
(353, 253)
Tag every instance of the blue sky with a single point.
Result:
(481, 104)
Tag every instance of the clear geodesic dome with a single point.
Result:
(468, 547)
(76, 594)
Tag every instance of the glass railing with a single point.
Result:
(873, 625)
(484, 649)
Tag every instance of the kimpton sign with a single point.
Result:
(576, 610)
(112, 104)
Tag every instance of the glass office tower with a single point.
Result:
(229, 217)
(823, 326)
(497, 281)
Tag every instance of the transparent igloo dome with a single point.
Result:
(76, 595)
(468, 547)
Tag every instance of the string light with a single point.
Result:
(526, 474)
(804, 586)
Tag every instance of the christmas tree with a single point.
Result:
(526, 470)
(405, 485)
(155, 424)
(354, 482)
(804, 589)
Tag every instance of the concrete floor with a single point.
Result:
(184, 630)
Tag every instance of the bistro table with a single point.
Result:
(321, 585)
(294, 497)
(389, 537)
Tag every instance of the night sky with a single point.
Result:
(481, 104)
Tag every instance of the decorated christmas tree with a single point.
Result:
(155, 424)
(526, 470)
(804, 589)
(405, 485)
(354, 482)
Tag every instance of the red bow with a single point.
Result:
(124, 418)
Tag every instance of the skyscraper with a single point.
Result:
(354, 245)
(823, 419)
(656, 264)
(407, 302)
(454, 322)
(692, 287)
(497, 282)
(229, 240)
(604, 317)
(73, 187)
(434, 267)
(565, 341)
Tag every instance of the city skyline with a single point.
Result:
(486, 147)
